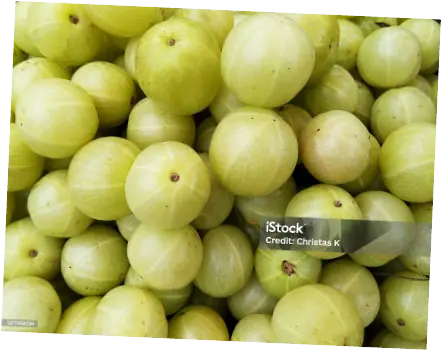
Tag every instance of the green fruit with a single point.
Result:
(57, 164)
(119, 61)
(63, 33)
(77, 318)
(281, 271)
(109, 50)
(128, 311)
(389, 57)
(433, 80)
(350, 39)
(335, 147)
(204, 133)
(266, 60)
(328, 93)
(253, 152)
(166, 69)
(365, 103)
(30, 299)
(252, 299)
(124, 21)
(357, 283)
(25, 167)
(255, 209)
(407, 162)
(127, 226)
(10, 207)
(94, 262)
(403, 318)
(18, 56)
(421, 83)
(217, 304)
(369, 24)
(398, 107)
(165, 259)
(396, 237)
(428, 33)
(52, 209)
(224, 103)
(417, 257)
(368, 176)
(218, 22)
(254, 328)
(385, 339)
(317, 315)
(130, 55)
(199, 323)
(21, 29)
(21, 205)
(149, 124)
(227, 262)
(172, 300)
(28, 252)
(168, 185)
(56, 117)
(219, 205)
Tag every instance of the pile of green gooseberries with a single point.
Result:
(148, 144)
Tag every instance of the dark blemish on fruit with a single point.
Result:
(253, 118)
(174, 177)
(382, 25)
(400, 322)
(171, 42)
(338, 204)
(288, 268)
(74, 19)
(318, 129)
(273, 70)
(33, 253)
(167, 206)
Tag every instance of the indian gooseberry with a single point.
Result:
(57, 164)
(253, 151)
(434, 82)
(407, 162)
(254, 328)
(76, 318)
(365, 103)
(10, 207)
(127, 226)
(130, 54)
(386, 339)
(217, 304)
(421, 83)
(21, 29)
(326, 151)
(204, 133)
(224, 103)
(350, 39)
(94, 262)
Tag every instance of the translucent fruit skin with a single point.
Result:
(403, 318)
(428, 33)
(130, 56)
(407, 162)
(127, 226)
(326, 151)
(219, 204)
(172, 300)
(174, 257)
(111, 88)
(224, 103)
(76, 319)
(317, 315)
(149, 124)
(218, 22)
(413, 258)
(124, 21)
(32, 70)
(94, 262)
(178, 66)
(159, 198)
(399, 107)
(335, 90)
(253, 152)
(21, 34)
(365, 103)
(323, 32)
(227, 262)
(254, 209)
(421, 83)
(434, 82)
(28, 252)
(350, 39)
(266, 60)
(25, 167)
(147, 318)
(198, 323)
(254, 328)
(97, 177)
(269, 268)
(204, 133)
(383, 206)
(52, 209)
(369, 175)
(389, 57)
(57, 164)
(385, 339)
(319, 201)
(358, 283)
(252, 299)
(59, 30)
(32, 299)
(56, 117)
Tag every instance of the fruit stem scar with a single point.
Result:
(74, 19)
(171, 42)
(338, 204)
(174, 177)
(400, 322)
(288, 268)
(33, 253)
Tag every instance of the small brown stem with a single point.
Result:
(288, 268)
